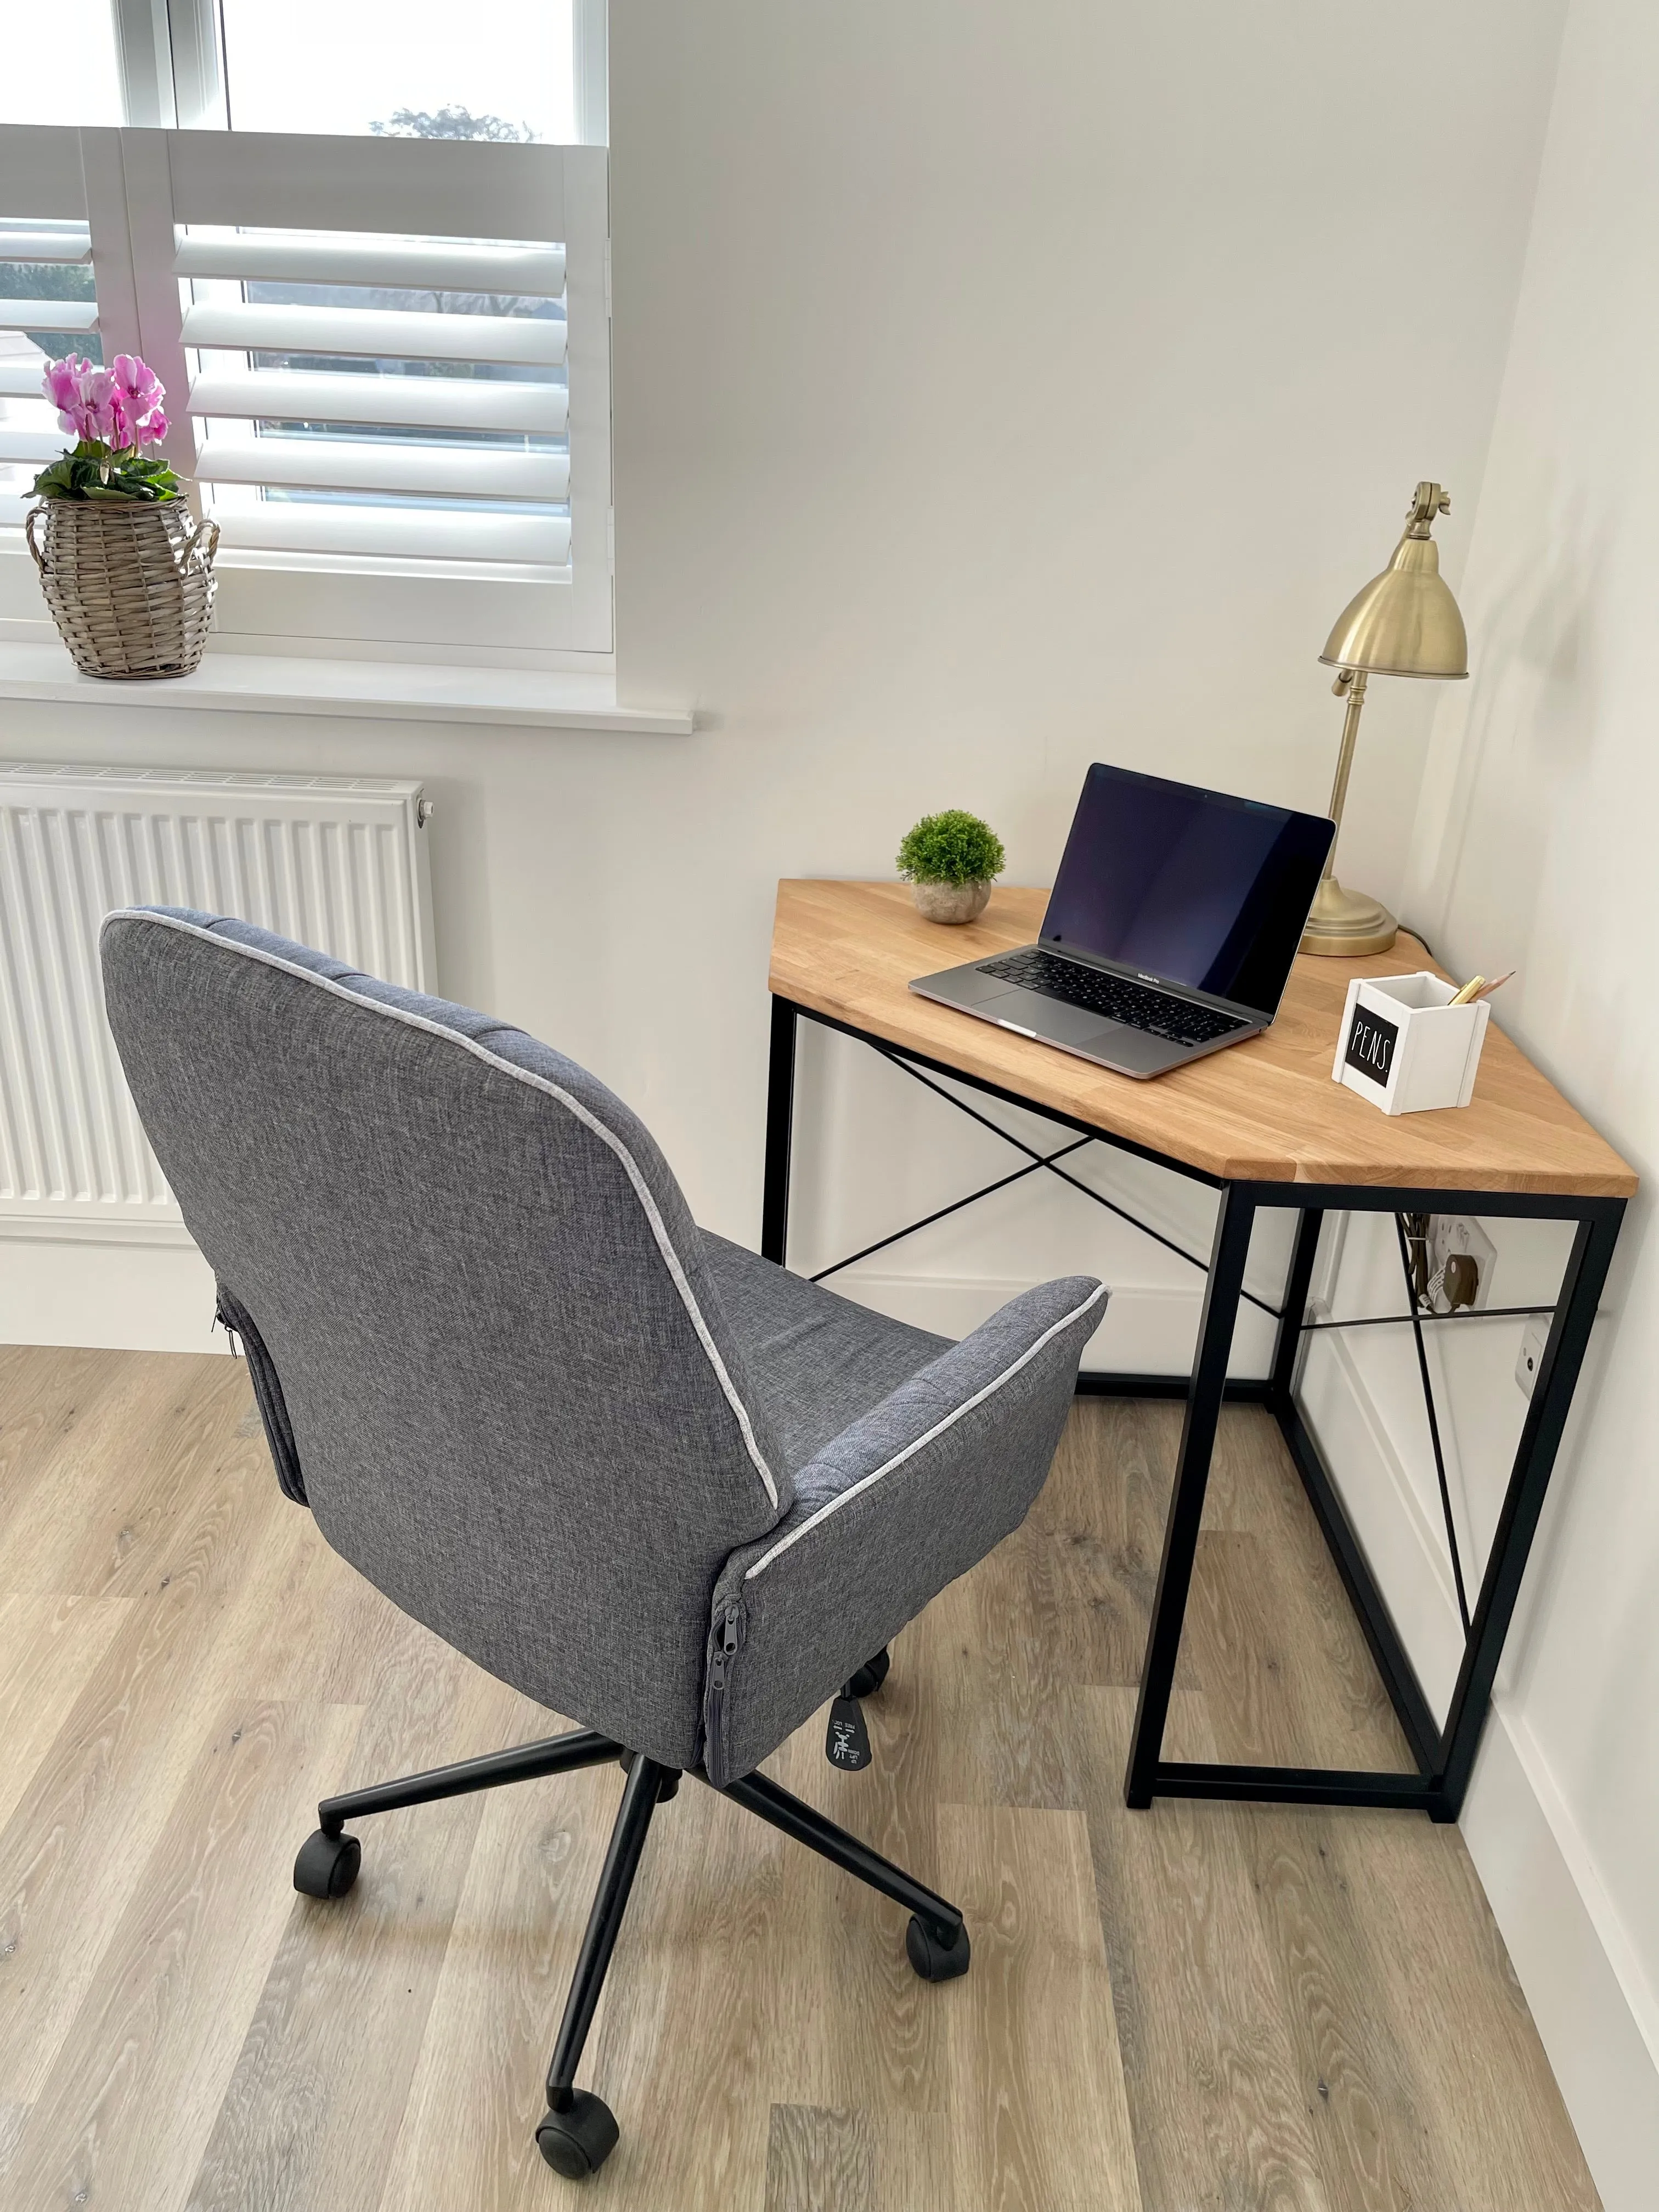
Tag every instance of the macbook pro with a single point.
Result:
(1169, 933)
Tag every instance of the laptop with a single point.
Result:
(1171, 929)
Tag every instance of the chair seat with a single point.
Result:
(816, 1362)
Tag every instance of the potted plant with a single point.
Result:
(950, 860)
(126, 570)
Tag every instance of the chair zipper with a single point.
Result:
(730, 1642)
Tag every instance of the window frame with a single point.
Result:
(168, 57)
(139, 184)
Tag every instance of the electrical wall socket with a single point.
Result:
(1450, 1233)
(1530, 1358)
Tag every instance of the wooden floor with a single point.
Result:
(1200, 2009)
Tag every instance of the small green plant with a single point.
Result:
(92, 471)
(952, 848)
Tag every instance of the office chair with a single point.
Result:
(652, 1481)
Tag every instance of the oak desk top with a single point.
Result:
(1267, 1111)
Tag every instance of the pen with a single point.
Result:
(1479, 988)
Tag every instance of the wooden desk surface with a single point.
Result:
(1267, 1111)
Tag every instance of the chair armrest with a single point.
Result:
(908, 1497)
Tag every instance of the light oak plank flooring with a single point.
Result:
(1200, 2009)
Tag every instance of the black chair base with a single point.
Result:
(579, 2132)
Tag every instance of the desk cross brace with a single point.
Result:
(1035, 1160)
(1442, 1750)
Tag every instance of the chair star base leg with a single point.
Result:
(579, 2132)
(329, 1859)
(525, 1762)
(942, 1940)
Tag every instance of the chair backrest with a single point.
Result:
(514, 1401)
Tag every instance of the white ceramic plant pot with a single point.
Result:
(951, 903)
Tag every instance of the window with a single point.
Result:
(377, 291)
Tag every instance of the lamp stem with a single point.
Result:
(1353, 681)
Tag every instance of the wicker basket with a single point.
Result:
(129, 585)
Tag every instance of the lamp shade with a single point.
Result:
(1406, 622)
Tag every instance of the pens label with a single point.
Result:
(1371, 1042)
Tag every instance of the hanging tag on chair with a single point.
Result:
(848, 1741)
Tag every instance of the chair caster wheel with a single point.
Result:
(869, 1678)
(577, 2142)
(933, 1960)
(327, 1865)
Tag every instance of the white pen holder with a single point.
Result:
(1404, 1046)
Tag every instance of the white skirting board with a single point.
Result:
(1566, 1963)
(67, 1288)
(1595, 2012)
(118, 1293)
(1148, 1329)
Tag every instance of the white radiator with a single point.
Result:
(337, 862)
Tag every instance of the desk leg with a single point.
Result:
(780, 1132)
(1296, 1284)
(1215, 1341)
(1523, 1501)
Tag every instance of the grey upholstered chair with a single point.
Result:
(651, 1480)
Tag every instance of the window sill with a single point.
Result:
(378, 691)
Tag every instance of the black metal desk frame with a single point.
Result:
(1444, 1754)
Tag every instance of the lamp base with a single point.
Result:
(1346, 923)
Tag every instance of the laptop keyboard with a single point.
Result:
(1155, 1011)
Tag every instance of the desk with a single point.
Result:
(1263, 1124)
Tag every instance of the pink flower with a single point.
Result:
(98, 407)
(58, 385)
(138, 395)
(119, 406)
(70, 385)
(82, 395)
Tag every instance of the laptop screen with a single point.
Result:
(1187, 886)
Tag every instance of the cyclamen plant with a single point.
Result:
(113, 413)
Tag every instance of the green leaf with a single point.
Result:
(80, 475)
(57, 482)
(952, 848)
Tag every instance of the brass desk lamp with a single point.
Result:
(1405, 623)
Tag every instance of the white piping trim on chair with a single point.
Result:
(845, 1497)
(641, 1188)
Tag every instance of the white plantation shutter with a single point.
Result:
(29, 436)
(387, 363)
(45, 257)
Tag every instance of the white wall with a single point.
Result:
(1533, 847)
(998, 390)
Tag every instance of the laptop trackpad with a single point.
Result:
(1134, 1051)
(1052, 1018)
(1131, 1051)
